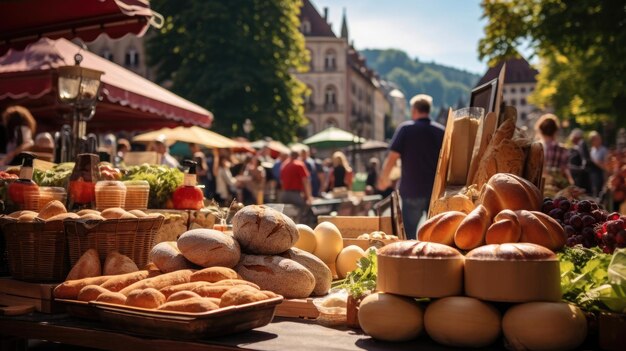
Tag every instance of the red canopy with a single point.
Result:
(26, 21)
(129, 101)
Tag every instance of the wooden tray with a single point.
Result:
(80, 309)
(14, 292)
(297, 308)
(181, 325)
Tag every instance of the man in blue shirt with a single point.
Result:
(417, 143)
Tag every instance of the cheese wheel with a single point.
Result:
(306, 241)
(462, 322)
(420, 269)
(544, 326)
(328, 242)
(348, 259)
(390, 317)
(520, 272)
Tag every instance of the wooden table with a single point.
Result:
(282, 334)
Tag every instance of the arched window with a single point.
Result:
(305, 26)
(331, 122)
(310, 127)
(330, 98)
(330, 60)
(522, 102)
(132, 58)
(308, 99)
(311, 62)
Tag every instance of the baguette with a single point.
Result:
(214, 274)
(146, 298)
(91, 292)
(70, 288)
(215, 291)
(240, 295)
(192, 305)
(170, 290)
(160, 281)
(471, 232)
(182, 295)
(112, 297)
(118, 282)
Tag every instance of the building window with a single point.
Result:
(513, 102)
(132, 58)
(330, 96)
(331, 122)
(522, 90)
(330, 60)
(310, 127)
(513, 90)
(522, 102)
(531, 89)
(353, 88)
(305, 26)
(524, 116)
(308, 99)
(107, 54)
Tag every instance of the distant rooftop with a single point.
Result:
(319, 26)
(518, 70)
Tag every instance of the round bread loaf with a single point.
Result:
(278, 274)
(63, 216)
(168, 258)
(51, 209)
(262, 230)
(208, 248)
(518, 272)
(509, 191)
(116, 263)
(420, 269)
(321, 272)
(379, 317)
(88, 265)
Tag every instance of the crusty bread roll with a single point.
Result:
(208, 248)
(18, 214)
(113, 213)
(235, 282)
(441, 228)
(161, 281)
(505, 229)
(51, 209)
(92, 217)
(215, 291)
(88, 265)
(182, 295)
(173, 289)
(87, 211)
(168, 258)
(63, 216)
(118, 282)
(192, 305)
(116, 263)
(321, 272)
(69, 289)
(508, 191)
(471, 231)
(541, 229)
(213, 274)
(112, 297)
(90, 292)
(278, 274)
(262, 230)
(239, 295)
(138, 213)
(456, 202)
(146, 298)
(27, 217)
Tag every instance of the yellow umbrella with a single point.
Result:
(192, 134)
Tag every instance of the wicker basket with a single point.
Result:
(131, 237)
(37, 251)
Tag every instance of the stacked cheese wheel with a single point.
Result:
(524, 276)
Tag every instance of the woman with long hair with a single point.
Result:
(341, 174)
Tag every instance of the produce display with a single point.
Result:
(163, 182)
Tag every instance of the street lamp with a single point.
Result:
(78, 87)
(248, 127)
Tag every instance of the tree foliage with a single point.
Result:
(445, 84)
(581, 45)
(235, 58)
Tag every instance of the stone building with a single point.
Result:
(128, 52)
(344, 92)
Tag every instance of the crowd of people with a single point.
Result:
(299, 177)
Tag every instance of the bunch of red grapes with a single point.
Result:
(585, 223)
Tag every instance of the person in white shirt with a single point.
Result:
(160, 146)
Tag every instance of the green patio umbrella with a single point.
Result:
(332, 138)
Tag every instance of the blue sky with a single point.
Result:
(444, 31)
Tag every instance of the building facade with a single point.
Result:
(127, 51)
(344, 92)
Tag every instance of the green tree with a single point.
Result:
(235, 58)
(581, 45)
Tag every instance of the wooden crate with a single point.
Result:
(297, 308)
(14, 292)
